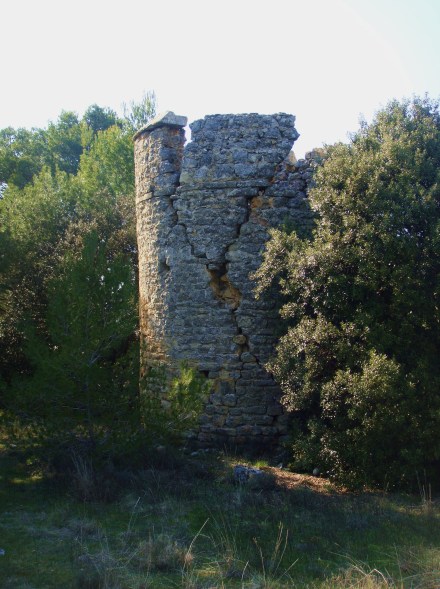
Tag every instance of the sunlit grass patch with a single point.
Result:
(193, 527)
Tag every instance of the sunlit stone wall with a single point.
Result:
(203, 215)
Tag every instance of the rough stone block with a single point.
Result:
(204, 211)
(219, 409)
(165, 119)
(230, 400)
(247, 357)
(218, 420)
(234, 421)
(254, 410)
(235, 411)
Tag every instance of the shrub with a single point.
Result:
(358, 363)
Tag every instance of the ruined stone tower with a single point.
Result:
(203, 214)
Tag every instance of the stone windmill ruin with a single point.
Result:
(204, 211)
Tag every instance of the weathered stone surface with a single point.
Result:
(164, 119)
(230, 400)
(234, 148)
(203, 217)
(242, 473)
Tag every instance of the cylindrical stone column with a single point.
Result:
(202, 225)
(158, 149)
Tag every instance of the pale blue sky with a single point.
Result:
(326, 61)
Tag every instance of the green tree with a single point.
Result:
(23, 153)
(137, 114)
(47, 219)
(108, 164)
(67, 256)
(77, 386)
(64, 141)
(359, 364)
(32, 223)
(99, 119)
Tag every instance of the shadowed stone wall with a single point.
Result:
(203, 214)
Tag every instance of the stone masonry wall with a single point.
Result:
(203, 213)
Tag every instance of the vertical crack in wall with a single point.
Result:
(207, 233)
(222, 287)
(228, 294)
(253, 204)
(175, 216)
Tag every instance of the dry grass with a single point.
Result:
(192, 527)
(292, 480)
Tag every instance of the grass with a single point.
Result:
(190, 526)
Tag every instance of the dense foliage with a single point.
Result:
(24, 153)
(359, 364)
(68, 273)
